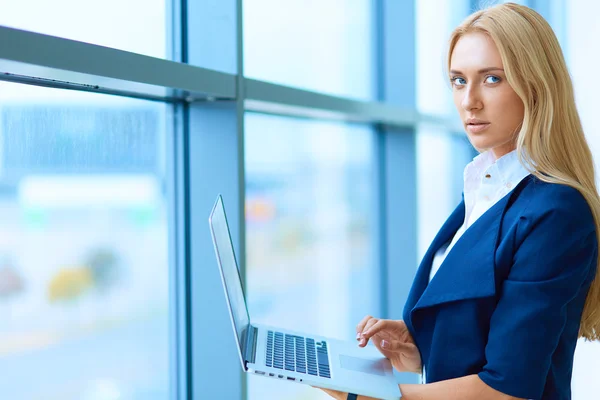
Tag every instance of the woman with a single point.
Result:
(507, 286)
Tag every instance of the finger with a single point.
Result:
(397, 346)
(361, 325)
(364, 340)
(376, 327)
(382, 335)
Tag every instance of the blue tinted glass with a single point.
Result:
(324, 45)
(435, 20)
(140, 26)
(84, 266)
(441, 159)
(310, 239)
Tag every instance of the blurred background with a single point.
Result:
(90, 218)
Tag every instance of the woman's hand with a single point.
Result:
(393, 340)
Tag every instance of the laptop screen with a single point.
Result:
(229, 272)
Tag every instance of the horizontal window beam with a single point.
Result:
(277, 99)
(44, 60)
(271, 98)
(50, 61)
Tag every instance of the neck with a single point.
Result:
(501, 151)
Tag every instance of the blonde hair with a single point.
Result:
(556, 150)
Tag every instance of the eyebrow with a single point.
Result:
(481, 71)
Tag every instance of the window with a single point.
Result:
(435, 20)
(441, 158)
(84, 270)
(139, 26)
(310, 193)
(441, 155)
(320, 45)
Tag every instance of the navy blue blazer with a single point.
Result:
(507, 301)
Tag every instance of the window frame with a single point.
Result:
(208, 105)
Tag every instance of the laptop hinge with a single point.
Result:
(251, 339)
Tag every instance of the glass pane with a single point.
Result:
(84, 266)
(581, 29)
(310, 231)
(139, 26)
(441, 159)
(435, 20)
(320, 45)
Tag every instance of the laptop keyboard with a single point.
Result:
(297, 353)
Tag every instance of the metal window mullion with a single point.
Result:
(398, 164)
(215, 167)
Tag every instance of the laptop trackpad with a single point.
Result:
(375, 367)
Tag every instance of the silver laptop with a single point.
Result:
(294, 356)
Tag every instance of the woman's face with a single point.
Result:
(489, 108)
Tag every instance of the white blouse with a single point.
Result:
(486, 181)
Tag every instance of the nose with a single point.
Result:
(472, 99)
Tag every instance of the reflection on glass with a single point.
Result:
(310, 222)
(139, 26)
(83, 246)
(320, 45)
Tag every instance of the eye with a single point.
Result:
(458, 81)
(492, 79)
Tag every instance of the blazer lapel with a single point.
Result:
(445, 234)
(468, 270)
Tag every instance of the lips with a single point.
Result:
(475, 125)
(477, 128)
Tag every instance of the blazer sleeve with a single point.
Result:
(551, 267)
